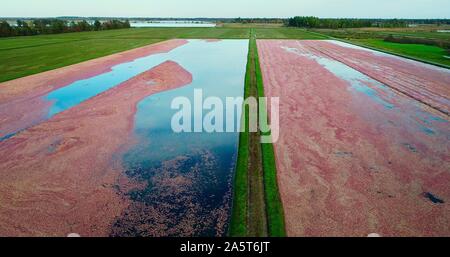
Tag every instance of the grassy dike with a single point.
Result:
(257, 207)
(275, 213)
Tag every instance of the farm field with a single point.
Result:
(364, 140)
(251, 25)
(436, 53)
(430, 53)
(424, 31)
(22, 56)
(73, 176)
(429, 32)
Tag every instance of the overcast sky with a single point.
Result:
(228, 8)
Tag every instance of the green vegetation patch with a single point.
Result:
(27, 58)
(417, 51)
(409, 48)
(194, 33)
(274, 209)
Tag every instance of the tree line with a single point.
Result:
(57, 26)
(257, 20)
(315, 22)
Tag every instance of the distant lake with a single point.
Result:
(166, 24)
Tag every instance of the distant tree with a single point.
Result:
(40, 26)
(23, 29)
(84, 25)
(315, 22)
(73, 27)
(115, 24)
(127, 24)
(97, 25)
(5, 29)
(55, 26)
(58, 26)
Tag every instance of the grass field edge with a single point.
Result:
(385, 51)
(79, 61)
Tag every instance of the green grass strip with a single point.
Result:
(275, 213)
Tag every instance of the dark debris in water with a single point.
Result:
(344, 154)
(433, 198)
(410, 147)
(184, 196)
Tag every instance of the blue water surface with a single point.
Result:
(205, 160)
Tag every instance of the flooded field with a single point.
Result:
(364, 144)
(189, 176)
(31, 100)
(89, 149)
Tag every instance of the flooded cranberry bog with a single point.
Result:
(364, 140)
(364, 144)
(89, 148)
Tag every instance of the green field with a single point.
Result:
(52, 54)
(428, 53)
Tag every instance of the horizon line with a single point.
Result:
(204, 17)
